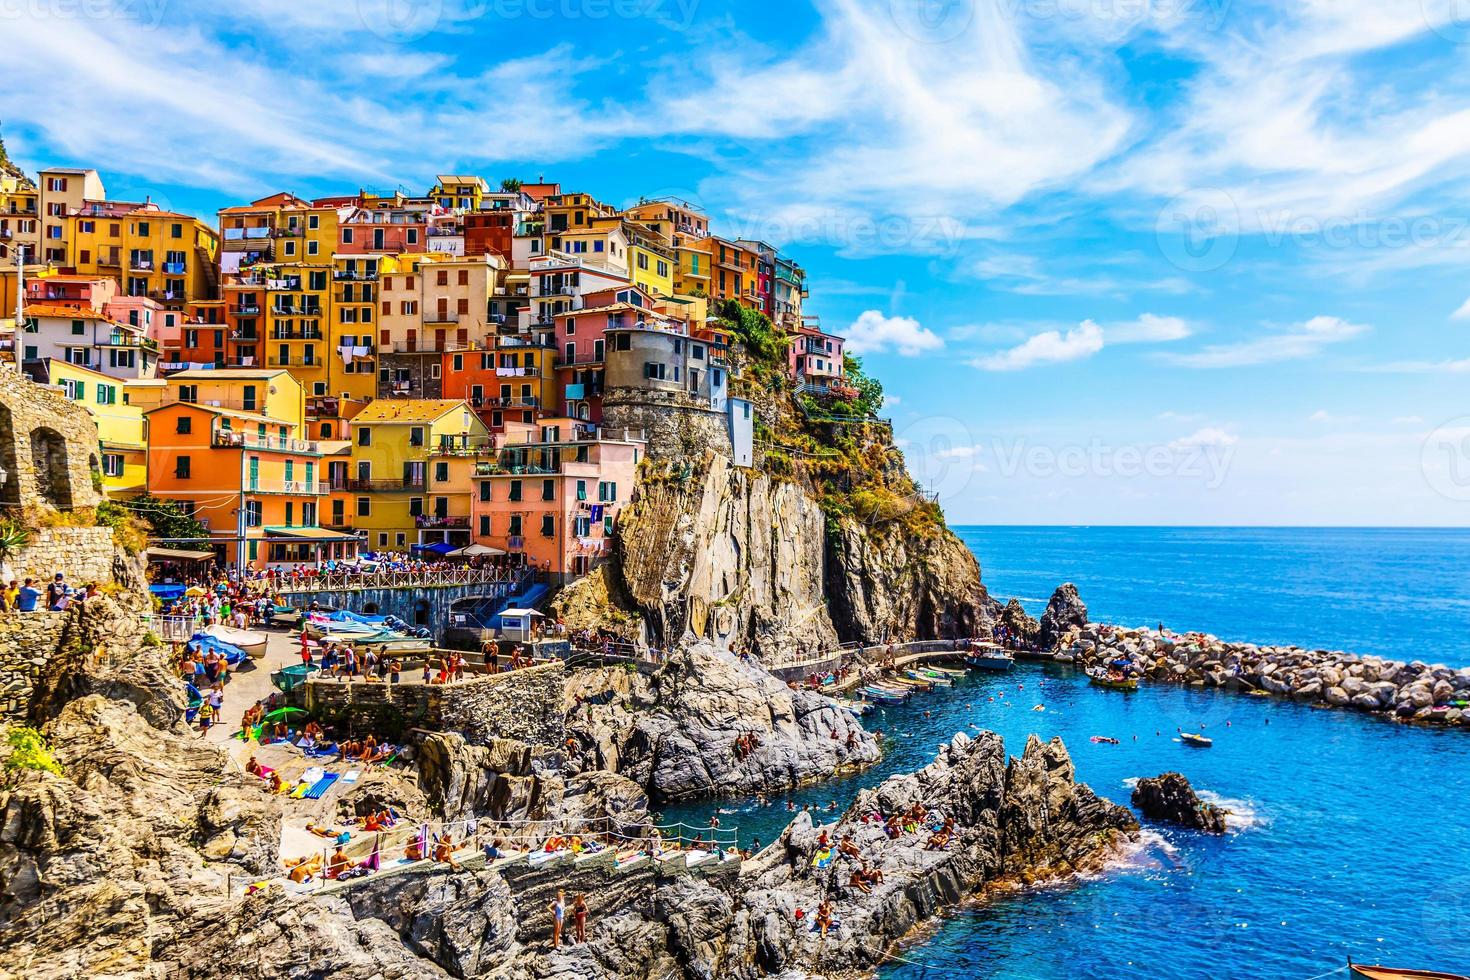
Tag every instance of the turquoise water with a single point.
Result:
(1355, 833)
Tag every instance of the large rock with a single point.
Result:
(1064, 612)
(675, 734)
(1169, 798)
(1019, 624)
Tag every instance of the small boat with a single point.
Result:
(1197, 741)
(1104, 740)
(252, 643)
(919, 675)
(1113, 682)
(991, 660)
(1392, 973)
(882, 697)
(949, 671)
(383, 641)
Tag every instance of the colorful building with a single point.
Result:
(391, 480)
(122, 461)
(815, 357)
(164, 255)
(552, 492)
(228, 446)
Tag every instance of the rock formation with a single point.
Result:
(754, 563)
(1021, 626)
(1410, 691)
(1064, 612)
(675, 733)
(1170, 798)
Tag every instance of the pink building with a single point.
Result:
(553, 492)
(815, 357)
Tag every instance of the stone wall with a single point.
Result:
(524, 704)
(27, 643)
(674, 424)
(82, 554)
(48, 447)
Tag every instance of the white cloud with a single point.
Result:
(1408, 420)
(1295, 342)
(874, 333)
(1051, 347)
(1148, 328)
(1209, 437)
(890, 400)
(1463, 313)
(958, 452)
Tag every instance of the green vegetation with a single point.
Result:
(764, 344)
(128, 530)
(28, 751)
(167, 520)
(13, 538)
(510, 185)
(869, 389)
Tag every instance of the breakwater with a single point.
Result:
(1408, 690)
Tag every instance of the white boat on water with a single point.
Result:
(251, 642)
(990, 659)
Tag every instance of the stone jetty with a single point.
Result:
(1402, 690)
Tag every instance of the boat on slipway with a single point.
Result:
(1362, 972)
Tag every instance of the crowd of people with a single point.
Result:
(29, 595)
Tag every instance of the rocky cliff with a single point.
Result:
(678, 733)
(757, 564)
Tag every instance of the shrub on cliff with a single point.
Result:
(28, 751)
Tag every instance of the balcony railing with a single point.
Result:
(245, 310)
(441, 316)
(297, 334)
(349, 275)
(246, 234)
(173, 268)
(411, 483)
(233, 439)
(313, 489)
(430, 521)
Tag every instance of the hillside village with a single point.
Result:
(478, 366)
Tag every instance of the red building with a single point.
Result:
(489, 232)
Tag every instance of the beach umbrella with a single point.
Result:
(194, 592)
(280, 713)
(475, 551)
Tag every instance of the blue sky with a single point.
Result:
(1117, 261)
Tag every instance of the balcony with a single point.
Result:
(431, 521)
(232, 439)
(440, 316)
(139, 264)
(243, 310)
(129, 340)
(348, 275)
(246, 335)
(578, 360)
(300, 333)
(292, 309)
(246, 234)
(409, 484)
(298, 487)
(174, 268)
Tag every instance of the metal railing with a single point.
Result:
(352, 580)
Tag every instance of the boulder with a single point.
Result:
(1020, 625)
(1170, 799)
(1064, 612)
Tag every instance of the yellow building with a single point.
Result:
(352, 328)
(272, 393)
(64, 190)
(397, 489)
(459, 192)
(20, 224)
(166, 256)
(123, 461)
(650, 259)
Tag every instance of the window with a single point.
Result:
(548, 525)
(253, 513)
(548, 489)
(106, 395)
(515, 490)
(364, 436)
(184, 426)
(607, 492)
(514, 530)
(73, 389)
(581, 489)
(415, 506)
(112, 464)
(485, 492)
(78, 327)
(416, 436)
(290, 470)
(313, 221)
(181, 468)
(441, 472)
(311, 247)
(459, 362)
(364, 506)
(484, 525)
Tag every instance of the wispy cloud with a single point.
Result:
(1293, 343)
(1049, 347)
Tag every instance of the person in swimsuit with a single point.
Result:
(558, 909)
(579, 917)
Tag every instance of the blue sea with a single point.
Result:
(1352, 835)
